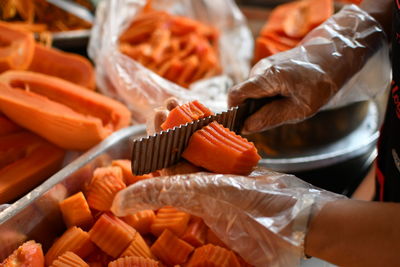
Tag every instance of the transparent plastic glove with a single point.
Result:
(263, 217)
(344, 60)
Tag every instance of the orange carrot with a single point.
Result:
(69, 259)
(64, 113)
(211, 238)
(186, 113)
(210, 255)
(141, 220)
(170, 218)
(129, 178)
(196, 232)
(266, 47)
(111, 235)
(7, 126)
(75, 240)
(29, 160)
(16, 47)
(29, 254)
(133, 261)
(220, 150)
(75, 211)
(105, 184)
(72, 67)
(98, 258)
(138, 247)
(170, 249)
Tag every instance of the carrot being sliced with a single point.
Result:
(133, 261)
(75, 211)
(210, 255)
(75, 240)
(29, 254)
(138, 247)
(7, 126)
(186, 113)
(105, 184)
(71, 67)
(111, 235)
(220, 150)
(170, 218)
(196, 232)
(170, 249)
(16, 47)
(64, 113)
(69, 259)
(212, 238)
(141, 220)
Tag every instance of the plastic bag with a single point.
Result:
(263, 217)
(141, 89)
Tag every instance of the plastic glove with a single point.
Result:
(263, 217)
(301, 81)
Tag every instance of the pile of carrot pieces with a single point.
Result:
(47, 105)
(177, 48)
(95, 237)
(288, 24)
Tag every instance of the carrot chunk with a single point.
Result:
(170, 218)
(129, 178)
(138, 247)
(220, 150)
(112, 235)
(186, 113)
(196, 232)
(210, 255)
(133, 261)
(29, 254)
(69, 259)
(75, 211)
(105, 184)
(141, 220)
(75, 240)
(212, 238)
(170, 249)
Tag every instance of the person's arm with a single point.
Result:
(381, 10)
(356, 233)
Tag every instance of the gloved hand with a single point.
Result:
(301, 81)
(263, 217)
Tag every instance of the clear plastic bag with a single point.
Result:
(141, 89)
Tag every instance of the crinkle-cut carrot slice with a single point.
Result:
(186, 113)
(75, 211)
(69, 259)
(170, 218)
(210, 255)
(68, 66)
(105, 184)
(138, 247)
(29, 254)
(133, 261)
(196, 232)
(16, 47)
(98, 258)
(111, 234)
(7, 126)
(64, 113)
(141, 220)
(170, 249)
(212, 238)
(29, 160)
(220, 150)
(129, 178)
(75, 240)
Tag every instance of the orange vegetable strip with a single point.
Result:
(186, 113)
(159, 42)
(68, 66)
(29, 160)
(196, 232)
(7, 126)
(174, 71)
(319, 11)
(210, 255)
(217, 154)
(138, 247)
(170, 218)
(69, 259)
(75, 211)
(32, 27)
(141, 220)
(170, 249)
(16, 47)
(190, 66)
(29, 254)
(64, 113)
(111, 235)
(266, 47)
(105, 184)
(75, 240)
(282, 39)
(211, 238)
(133, 261)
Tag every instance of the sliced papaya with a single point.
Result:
(29, 254)
(210, 255)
